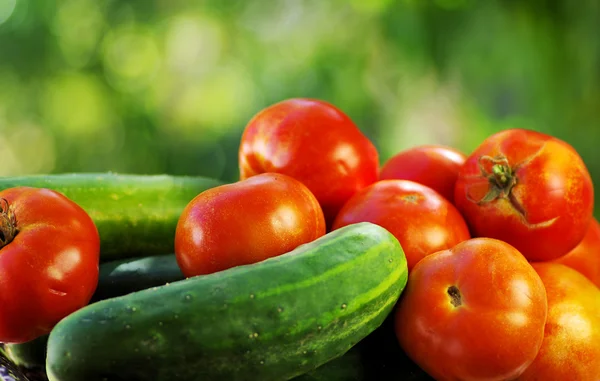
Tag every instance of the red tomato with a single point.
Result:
(571, 346)
(49, 256)
(246, 222)
(472, 313)
(433, 165)
(528, 189)
(313, 142)
(420, 218)
(585, 257)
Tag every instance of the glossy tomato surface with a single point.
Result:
(435, 166)
(48, 262)
(246, 222)
(585, 257)
(420, 218)
(571, 346)
(313, 142)
(528, 189)
(472, 313)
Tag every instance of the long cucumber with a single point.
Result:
(267, 321)
(136, 215)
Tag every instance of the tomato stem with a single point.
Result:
(501, 178)
(8, 223)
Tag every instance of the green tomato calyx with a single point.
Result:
(501, 177)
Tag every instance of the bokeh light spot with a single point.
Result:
(7, 8)
(76, 103)
(131, 58)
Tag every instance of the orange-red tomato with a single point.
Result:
(528, 189)
(246, 222)
(571, 346)
(420, 218)
(435, 166)
(585, 257)
(313, 142)
(472, 313)
(49, 256)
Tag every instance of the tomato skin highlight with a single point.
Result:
(313, 142)
(246, 222)
(546, 200)
(585, 257)
(50, 269)
(435, 166)
(472, 313)
(571, 346)
(420, 218)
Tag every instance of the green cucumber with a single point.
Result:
(272, 320)
(136, 215)
(116, 278)
(348, 367)
(124, 276)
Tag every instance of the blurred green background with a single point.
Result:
(167, 86)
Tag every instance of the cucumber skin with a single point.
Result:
(136, 215)
(268, 321)
(348, 367)
(116, 278)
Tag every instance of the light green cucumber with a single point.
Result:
(269, 321)
(136, 215)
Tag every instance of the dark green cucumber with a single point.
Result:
(348, 367)
(267, 321)
(136, 215)
(124, 276)
(116, 278)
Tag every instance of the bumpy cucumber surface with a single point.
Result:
(116, 278)
(271, 320)
(136, 215)
(348, 367)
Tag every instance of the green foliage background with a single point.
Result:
(167, 86)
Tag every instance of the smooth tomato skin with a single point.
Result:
(548, 211)
(496, 330)
(50, 269)
(420, 218)
(313, 142)
(246, 222)
(435, 166)
(585, 257)
(571, 346)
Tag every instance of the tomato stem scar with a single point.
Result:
(455, 297)
(8, 223)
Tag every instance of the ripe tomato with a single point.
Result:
(585, 257)
(49, 256)
(435, 166)
(420, 218)
(473, 312)
(313, 142)
(528, 189)
(246, 222)
(571, 346)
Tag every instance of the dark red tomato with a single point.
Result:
(585, 257)
(420, 218)
(475, 312)
(433, 165)
(246, 222)
(313, 142)
(528, 189)
(49, 256)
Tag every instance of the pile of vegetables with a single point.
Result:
(317, 264)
